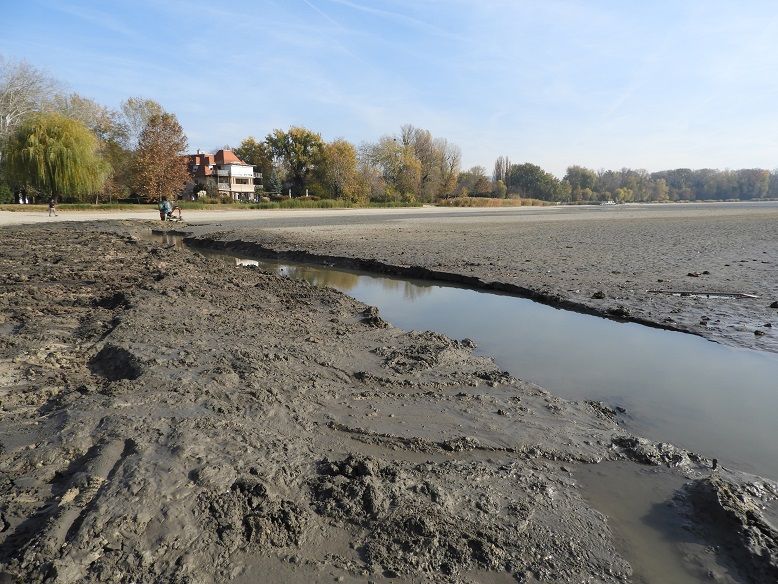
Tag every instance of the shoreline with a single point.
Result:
(414, 272)
(604, 263)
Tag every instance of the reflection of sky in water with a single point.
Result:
(707, 397)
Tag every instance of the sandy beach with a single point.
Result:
(167, 419)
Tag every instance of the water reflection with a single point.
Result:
(340, 280)
(409, 291)
(346, 281)
(168, 239)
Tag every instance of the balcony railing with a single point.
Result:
(222, 172)
(257, 175)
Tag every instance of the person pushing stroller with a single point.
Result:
(166, 210)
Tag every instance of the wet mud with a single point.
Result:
(167, 419)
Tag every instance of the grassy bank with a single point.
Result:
(487, 202)
(294, 204)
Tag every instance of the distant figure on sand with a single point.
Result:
(166, 210)
(53, 207)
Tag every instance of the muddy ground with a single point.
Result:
(164, 419)
(616, 262)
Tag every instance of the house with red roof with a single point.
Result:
(233, 177)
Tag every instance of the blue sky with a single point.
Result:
(606, 84)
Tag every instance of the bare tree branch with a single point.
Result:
(23, 90)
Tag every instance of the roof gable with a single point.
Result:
(227, 157)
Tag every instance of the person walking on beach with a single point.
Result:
(53, 207)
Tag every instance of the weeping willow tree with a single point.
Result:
(57, 156)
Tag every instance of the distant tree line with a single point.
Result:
(682, 184)
(582, 184)
(55, 143)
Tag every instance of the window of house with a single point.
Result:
(241, 181)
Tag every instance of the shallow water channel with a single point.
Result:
(709, 398)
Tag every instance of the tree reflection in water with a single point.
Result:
(334, 279)
(346, 281)
(410, 290)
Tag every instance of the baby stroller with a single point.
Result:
(166, 211)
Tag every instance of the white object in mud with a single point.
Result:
(240, 262)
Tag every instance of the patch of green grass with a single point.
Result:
(392, 205)
(105, 207)
(12, 207)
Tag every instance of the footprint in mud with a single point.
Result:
(112, 301)
(115, 363)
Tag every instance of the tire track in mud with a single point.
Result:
(73, 496)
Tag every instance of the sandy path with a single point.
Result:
(202, 216)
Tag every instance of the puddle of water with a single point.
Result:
(646, 528)
(713, 399)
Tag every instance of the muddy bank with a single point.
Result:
(620, 263)
(165, 419)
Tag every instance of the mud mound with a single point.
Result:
(247, 516)
(404, 537)
(422, 351)
(352, 489)
(732, 512)
(371, 318)
(645, 451)
(115, 363)
(411, 543)
(439, 521)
